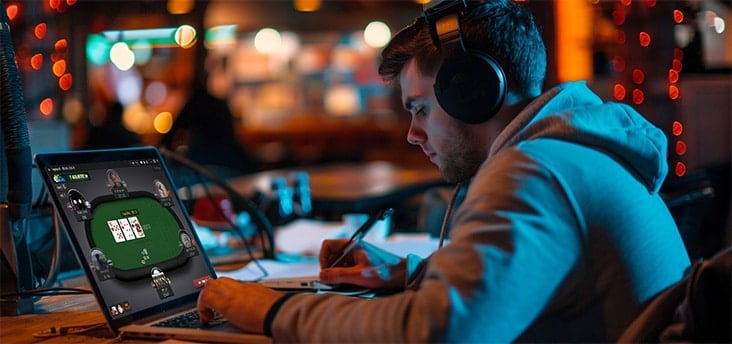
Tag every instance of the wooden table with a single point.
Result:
(66, 311)
(60, 311)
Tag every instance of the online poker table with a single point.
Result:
(156, 242)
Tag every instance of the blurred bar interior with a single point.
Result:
(299, 76)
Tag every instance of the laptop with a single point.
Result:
(135, 241)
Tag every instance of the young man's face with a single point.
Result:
(450, 144)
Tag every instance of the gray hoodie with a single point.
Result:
(561, 237)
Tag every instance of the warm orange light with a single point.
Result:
(40, 31)
(619, 92)
(59, 67)
(46, 106)
(71, 2)
(638, 96)
(12, 11)
(573, 25)
(677, 128)
(36, 61)
(307, 5)
(625, 2)
(673, 76)
(680, 169)
(163, 122)
(180, 6)
(673, 92)
(644, 39)
(65, 82)
(61, 45)
(638, 76)
(678, 17)
(680, 147)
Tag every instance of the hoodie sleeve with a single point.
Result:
(513, 241)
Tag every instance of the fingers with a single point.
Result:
(214, 297)
(378, 256)
(345, 275)
(373, 277)
(207, 301)
(244, 304)
(330, 250)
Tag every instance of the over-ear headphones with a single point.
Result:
(470, 85)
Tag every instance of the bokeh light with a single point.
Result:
(121, 56)
(59, 68)
(46, 106)
(377, 34)
(619, 92)
(676, 65)
(61, 45)
(677, 128)
(680, 169)
(673, 92)
(185, 36)
(644, 39)
(12, 11)
(680, 147)
(97, 49)
(163, 122)
(39, 31)
(673, 76)
(36, 61)
(307, 5)
(155, 93)
(678, 17)
(638, 76)
(65, 82)
(267, 41)
(638, 96)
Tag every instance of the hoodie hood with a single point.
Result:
(572, 112)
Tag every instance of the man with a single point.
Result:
(561, 235)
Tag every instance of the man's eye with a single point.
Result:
(420, 111)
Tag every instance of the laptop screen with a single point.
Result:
(128, 228)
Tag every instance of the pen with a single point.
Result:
(361, 232)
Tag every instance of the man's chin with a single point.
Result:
(452, 176)
(447, 176)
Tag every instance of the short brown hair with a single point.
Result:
(501, 28)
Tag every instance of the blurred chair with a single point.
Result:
(700, 204)
(696, 309)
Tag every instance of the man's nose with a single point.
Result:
(415, 135)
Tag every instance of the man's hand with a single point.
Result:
(366, 266)
(244, 304)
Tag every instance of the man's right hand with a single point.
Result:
(366, 266)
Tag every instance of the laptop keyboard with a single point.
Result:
(190, 319)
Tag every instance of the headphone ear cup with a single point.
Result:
(470, 86)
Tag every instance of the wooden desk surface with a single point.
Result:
(65, 311)
(60, 311)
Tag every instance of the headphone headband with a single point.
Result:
(470, 85)
(444, 19)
